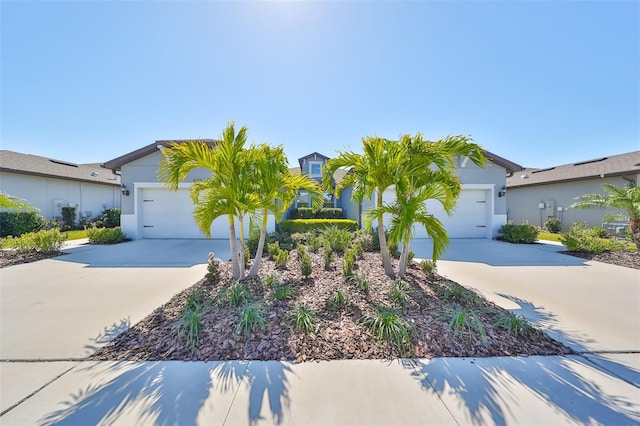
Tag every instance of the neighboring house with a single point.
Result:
(536, 194)
(150, 209)
(480, 211)
(50, 184)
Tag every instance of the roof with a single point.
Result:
(510, 166)
(27, 164)
(118, 162)
(613, 165)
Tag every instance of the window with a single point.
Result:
(303, 199)
(315, 168)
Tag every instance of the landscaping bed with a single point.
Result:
(443, 319)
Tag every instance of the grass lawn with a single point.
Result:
(548, 236)
(77, 234)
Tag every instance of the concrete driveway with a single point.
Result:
(592, 307)
(66, 307)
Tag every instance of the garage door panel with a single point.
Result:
(469, 219)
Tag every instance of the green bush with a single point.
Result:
(18, 223)
(106, 235)
(323, 213)
(282, 258)
(337, 238)
(525, 233)
(584, 239)
(110, 218)
(68, 218)
(553, 225)
(44, 241)
(310, 225)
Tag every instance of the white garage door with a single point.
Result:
(169, 214)
(469, 220)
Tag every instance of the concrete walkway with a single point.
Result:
(599, 388)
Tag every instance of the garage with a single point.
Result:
(169, 214)
(469, 220)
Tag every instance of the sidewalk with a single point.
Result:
(525, 390)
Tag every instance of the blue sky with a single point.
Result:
(540, 83)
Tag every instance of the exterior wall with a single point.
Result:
(350, 208)
(50, 194)
(145, 170)
(523, 202)
(492, 175)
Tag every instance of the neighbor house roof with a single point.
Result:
(34, 165)
(117, 163)
(613, 165)
(312, 156)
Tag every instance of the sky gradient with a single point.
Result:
(540, 83)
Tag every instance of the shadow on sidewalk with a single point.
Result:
(172, 392)
(585, 390)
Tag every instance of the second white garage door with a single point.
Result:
(469, 220)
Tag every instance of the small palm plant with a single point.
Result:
(387, 325)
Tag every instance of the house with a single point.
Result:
(51, 184)
(536, 194)
(150, 209)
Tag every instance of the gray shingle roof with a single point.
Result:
(15, 162)
(613, 165)
(118, 162)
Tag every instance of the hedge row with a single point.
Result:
(310, 225)
(309, 213)
(18, 223)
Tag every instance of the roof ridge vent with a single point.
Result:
(64, 163)
(597, 160)
(543, 170)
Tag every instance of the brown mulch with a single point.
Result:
(626, 258)
(339, 333)
(10, 257)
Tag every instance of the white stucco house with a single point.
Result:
(51, 184)
(150, 210)
(536, 194)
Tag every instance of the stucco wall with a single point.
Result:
(492, 174)
(42, 191)
(145, 170)
(523, 202)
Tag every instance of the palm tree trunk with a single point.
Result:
(634, 225)
(263, 235)
(233, 246)
(241, 262)
(384, 249)
(404, 258)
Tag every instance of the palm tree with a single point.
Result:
(373, 171)
(9, 202)
(276, 188)
(625, 198)
(226, 192)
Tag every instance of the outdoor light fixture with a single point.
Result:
(124, 190)
(502, 192)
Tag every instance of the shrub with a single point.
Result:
(283, 238)
(303, 318)
(237, 294)
(106, 235)
(516, 325)
(338, 299)
(45, 241)
(250, 314)
(270, 280)
(366, 240)
(361, 282)
(338, 239)
(314, 243)
(310, 225)
(429, 267)
(284, 292)
(583, 239)
(525, 233)
(282, 258)
(467, 321)
(306, 266)
(189, 325)
(327, 256)
(387, 325)
(323, 213)
(399, 294)
(18, 223)
(213, 269)
(68, 218)
(273, 248)
(553, 225)
(348, 262)
(110, 218)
